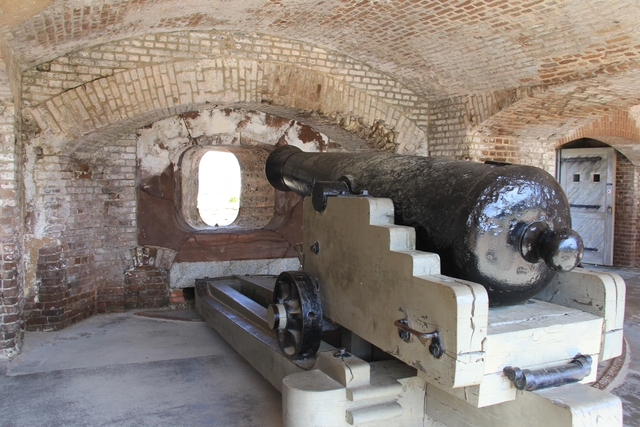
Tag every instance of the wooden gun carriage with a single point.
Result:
(464, 311)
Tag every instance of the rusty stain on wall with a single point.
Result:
(266, 226)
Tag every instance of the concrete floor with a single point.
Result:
(128, 370)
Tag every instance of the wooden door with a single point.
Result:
(587, 176)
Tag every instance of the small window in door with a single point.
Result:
(576, 177)
(596, 177)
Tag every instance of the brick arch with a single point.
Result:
(556, 115)
(125, 101)
(529, 130)
(619, 129)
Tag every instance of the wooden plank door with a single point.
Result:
(587, 176)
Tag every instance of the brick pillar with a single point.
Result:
(626, 239)
(11, 299)
(48, 310)
(11, 290)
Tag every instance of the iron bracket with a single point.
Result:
(436, 348)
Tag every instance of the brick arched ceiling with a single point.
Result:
(436, 48)
(13, 13)
(560, 110)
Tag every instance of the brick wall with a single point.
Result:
(51, 78)
(454, 126)
(626, 236)
(80, 216)
(146, 287)
(531, 152)
(472, 127)
(146, 281)
(11, 294)
(448, 128)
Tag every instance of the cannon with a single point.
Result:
(431, 292)
(504, 226)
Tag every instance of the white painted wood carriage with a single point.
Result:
(370, 276)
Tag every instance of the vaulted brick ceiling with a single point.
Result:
(436, 48)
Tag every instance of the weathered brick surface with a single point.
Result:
(436, 48)
(448, 128)
(525, 126)
(90, 211)
(11, 294)
(626, 236)
(567, 112)
(490, 80)
(146, 287)
(78, 68)
(146, 282)
(176, 296)
(454, 122)
(174, 70)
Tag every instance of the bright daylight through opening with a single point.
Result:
(218, 188)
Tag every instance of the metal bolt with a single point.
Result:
(434, 349)
(341, 354)
(403, 333)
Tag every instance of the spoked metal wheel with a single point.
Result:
(296, 314)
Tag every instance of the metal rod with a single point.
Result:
(524, 379)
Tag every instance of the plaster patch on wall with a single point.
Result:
(210, 122)
(32, 246)
(183, 274)
(306, 138)
(160, 144)
(379, 136)
(237, 126)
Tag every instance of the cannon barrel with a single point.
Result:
(504, 226)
